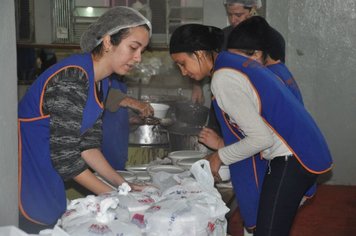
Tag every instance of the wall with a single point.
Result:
(321, 53)
(214, 13)
(8, 116)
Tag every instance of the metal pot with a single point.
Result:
(183, 136)
(191, 113)
(148, 135)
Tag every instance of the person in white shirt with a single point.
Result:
(260, 119)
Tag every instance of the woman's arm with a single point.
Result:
(197, 93)
(89, 181)
(96, 160)
(236, 97)
(117, 99)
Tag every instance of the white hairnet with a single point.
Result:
(247, 3)
(111, 22)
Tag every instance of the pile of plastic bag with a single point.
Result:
(182, 204)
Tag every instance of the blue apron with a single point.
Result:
(286, 76)
(42, 193)
(116, 131)
(283, 73)
(316, 159)
(283, 113)
(246, 175)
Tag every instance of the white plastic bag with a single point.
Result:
(191, 207)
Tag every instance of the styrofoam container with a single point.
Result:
(184, 154)
(224, 173)
(160, 110)
(188, 162)
(165, 168)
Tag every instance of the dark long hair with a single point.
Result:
(194, 37)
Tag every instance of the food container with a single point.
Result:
(224, 173)
(160, 110)
(188, 162)
(141, 173)
(165, 168)
(184, 154)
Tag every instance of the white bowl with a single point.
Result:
(165, 168)
(188, 162)
(184, 154)
(160, 110)
(224, 173)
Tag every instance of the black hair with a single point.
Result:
(251, 34)
(194, 37)
(255, 33)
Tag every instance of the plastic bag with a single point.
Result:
(192, 207)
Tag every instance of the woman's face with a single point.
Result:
(236, 13)
(191, 66)
(127, 54)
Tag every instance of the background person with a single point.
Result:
(60, 116)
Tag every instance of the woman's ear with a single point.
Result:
(253, 12)
(199, 54)
(257, 56)
(107, 43)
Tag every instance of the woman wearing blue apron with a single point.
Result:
(271, 121)
(60, 116)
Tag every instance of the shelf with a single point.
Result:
(186, 14)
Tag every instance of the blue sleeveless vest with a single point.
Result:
(283, 73)
(42, 193)
(116, 131)
(246, 175)
(283, 113)
(286, 76)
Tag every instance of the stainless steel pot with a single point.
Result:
(148, 135)
(191, 113)
(183, 136)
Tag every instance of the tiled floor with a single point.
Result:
(332, 212)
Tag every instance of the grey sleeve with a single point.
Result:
(113, 100)
(64, 100)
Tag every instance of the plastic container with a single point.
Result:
(188, 162)
(184, 154)
(160, 110)
(224, 173)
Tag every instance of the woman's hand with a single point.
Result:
(210, 138)
(137, 187)
(144, 108)
(215, 163)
